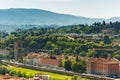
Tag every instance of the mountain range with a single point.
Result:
(21, 16)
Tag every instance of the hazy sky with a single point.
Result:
(87, 8)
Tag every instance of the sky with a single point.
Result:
(86, 8)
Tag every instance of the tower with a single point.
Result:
(109, 57)
(18, 49)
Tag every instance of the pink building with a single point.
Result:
(102, 66)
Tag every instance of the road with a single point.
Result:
(56, 70)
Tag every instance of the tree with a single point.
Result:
(56, 51)
(117, 56)
(84, 47)
(19, 74)
(33, 44)
(92, 53)
(12, 73)
(107, 39)
(68, 51)
(3, 70)
(76, 67)
(75, 77)
(83, 54)
(104, 23)
(67, 65)
(77, 50)
(83, 65)
(49, 45)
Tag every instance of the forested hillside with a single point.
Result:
(70, 40)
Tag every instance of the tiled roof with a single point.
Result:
(44, 58)
(103, 60)
(38, 55)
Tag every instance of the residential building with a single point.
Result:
(41, 77)
(4, 52)
(102, 66)
(41, 59)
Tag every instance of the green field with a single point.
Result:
(29, 72)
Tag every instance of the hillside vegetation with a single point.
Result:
(58, 40)
(73, 40)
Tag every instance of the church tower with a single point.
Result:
(18, 49)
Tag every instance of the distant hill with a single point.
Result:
(14, 18)
(42, 17)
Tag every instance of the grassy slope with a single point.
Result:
(32, 72)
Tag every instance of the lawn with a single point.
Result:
(29, 72)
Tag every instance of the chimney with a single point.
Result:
(108, 57)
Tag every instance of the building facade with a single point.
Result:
(18, 51)
(101, 66)
(41, 59)
(41, 77)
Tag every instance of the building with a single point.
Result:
(91, 36)
(101, 66)
(18, 49)
(4, 52)
(41, 77)
(8, 77)
(41, 59)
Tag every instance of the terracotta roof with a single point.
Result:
(60, 57)
(44, 58)
(71, 57)
(38, 55)
(7, 77)
(103, 60)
